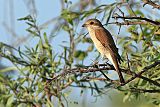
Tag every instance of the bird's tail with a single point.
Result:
(114, 61)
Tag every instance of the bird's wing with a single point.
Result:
(107, 41)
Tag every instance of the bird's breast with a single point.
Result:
(97, 43)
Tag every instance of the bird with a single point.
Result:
(104, 43)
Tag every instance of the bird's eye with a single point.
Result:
(91, 23)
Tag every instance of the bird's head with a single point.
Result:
(92, 23)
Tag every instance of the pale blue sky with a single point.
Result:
(46, 9)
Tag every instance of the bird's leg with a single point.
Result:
(105, 59)
(95, 63)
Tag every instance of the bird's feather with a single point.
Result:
(107, 41)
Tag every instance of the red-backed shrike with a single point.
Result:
(104, 43)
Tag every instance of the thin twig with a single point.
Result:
(149, 2)
(144, 90)
(110, 67)
(139, 18)
(144, 70)
(129, 23)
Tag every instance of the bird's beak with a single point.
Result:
(84, 25)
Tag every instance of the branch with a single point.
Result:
(144, 90)
(149, 80)
(88, 69)
(85, 69)
(139, 18)
(149, 2)
(144, 70)
(129, 23)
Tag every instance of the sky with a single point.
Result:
(11, 10)
(45, 11)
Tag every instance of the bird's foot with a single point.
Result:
(106, 60)
(122, 83)
(95, 63)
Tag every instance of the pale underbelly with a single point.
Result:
(104, 52)
(100, 47)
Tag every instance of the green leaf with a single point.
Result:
(21, 80)
(7, 69)
(80, 54)
(22, 105)
(69, 16)
(90, 48)
(76, 54)
(32, 32)
(45, 38)
(109, 15)
(87, 40)
(29, 18)
(138, 12)
(66, 28)
(30, 24)
(126, 97)
(10, 101)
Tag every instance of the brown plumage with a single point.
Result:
(104, 43)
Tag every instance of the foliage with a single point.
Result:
(44, 74)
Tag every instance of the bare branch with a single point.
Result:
(129, 23)
(144, 70)
(149, 2)
(88, 69)
(144, 90)
(139, 18)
